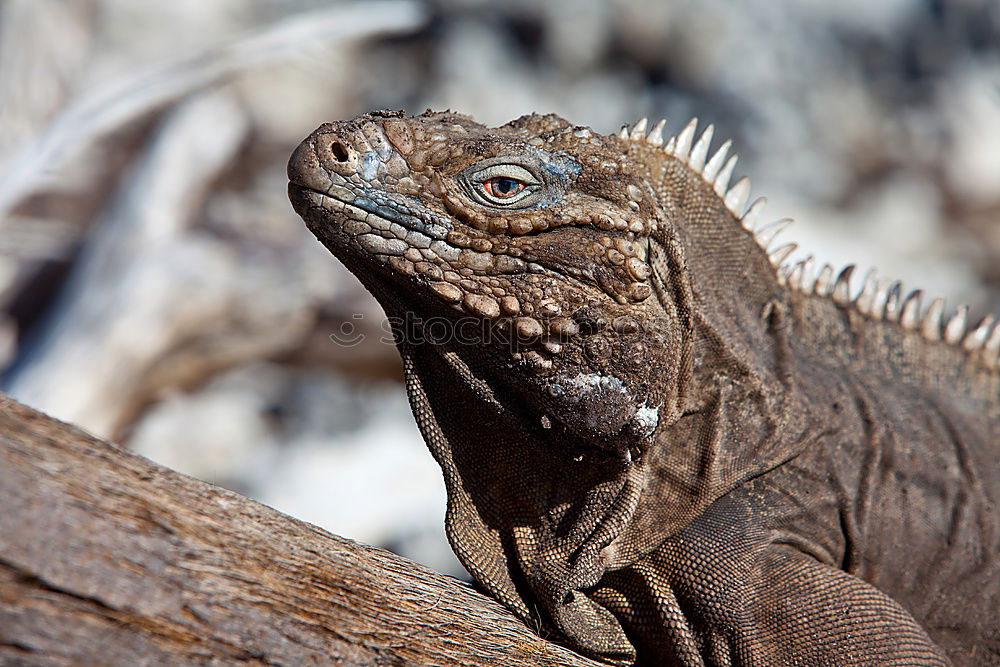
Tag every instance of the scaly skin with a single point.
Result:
(656, 445)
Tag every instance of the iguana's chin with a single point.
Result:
(603, 410)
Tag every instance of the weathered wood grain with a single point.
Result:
(108, 558)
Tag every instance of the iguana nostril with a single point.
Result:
(339, 151)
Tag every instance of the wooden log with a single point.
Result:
(109, 558)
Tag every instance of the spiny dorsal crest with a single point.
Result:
(878, 299)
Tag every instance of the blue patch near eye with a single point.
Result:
(561, 169)
(562, 166)
(370, 162)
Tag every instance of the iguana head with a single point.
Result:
(529, 243)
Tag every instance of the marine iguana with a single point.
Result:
(661, 442)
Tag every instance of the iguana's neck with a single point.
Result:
(756, 394)
(739, 379)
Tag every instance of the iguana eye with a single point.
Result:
(504, 185)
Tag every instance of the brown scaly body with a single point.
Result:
(656, 444)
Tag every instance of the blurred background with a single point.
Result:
(156, 287)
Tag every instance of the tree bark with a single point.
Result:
(108, 558)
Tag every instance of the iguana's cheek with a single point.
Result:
(613, 263)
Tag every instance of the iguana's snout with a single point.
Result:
(357, 193)
(358, 151)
